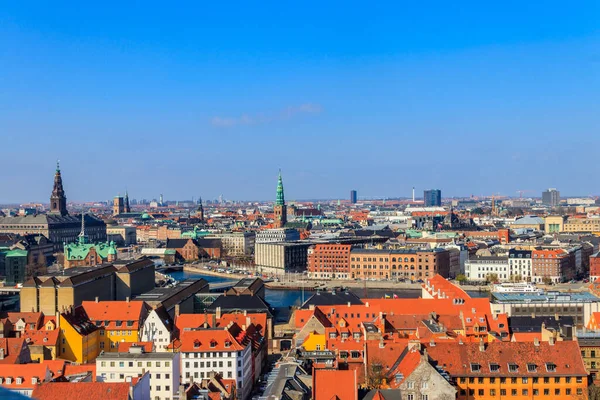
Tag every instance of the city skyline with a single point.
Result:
(148, 98)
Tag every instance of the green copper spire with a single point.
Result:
(280, 199)
(57, 165)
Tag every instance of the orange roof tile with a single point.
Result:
(204, 340)
(12, 349)
(74, 391)
(111, 313)
(335, 384)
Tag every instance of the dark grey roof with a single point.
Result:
(387, 394)
(529, 324)
(209, 243)
(176, 243)
(253, 304)
(332, 299)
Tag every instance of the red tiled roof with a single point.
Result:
(87, 390)
(74, 369)
(12, 349)
(115, 311)
(334, 384)
(123, 347)
(41, 337)
(407, 365)
(24, 371)
(27, 317)
(457, 359)
(204, 340)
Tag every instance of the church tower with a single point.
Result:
(200, 210)
(127, 208)
(280, 208)
(118, 205)
(58, 200)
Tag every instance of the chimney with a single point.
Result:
(460, 340)
(97, 299)
(556, 317)
(218, 313)
(248, 321)
(551, 340)
(349, 304)
(245, 312)
(1, 353)
(214, 319)
(367, 304)
(481, 345)
(533, 315)
(536, 341)
(311, 307)
(177, 310)
(127, 299)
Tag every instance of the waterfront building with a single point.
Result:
(411, 264)
(236, 244)
(329, 261)
(280, 209)
(580, 306)
(432, 198)
(553, 264)
(164, 368)
(551, 197)
(281, 258)
(479, 268)
(277, 235)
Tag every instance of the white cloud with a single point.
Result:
(257, 119)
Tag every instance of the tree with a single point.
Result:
(460, 278)
(376, 374)
(547, 280)
(491, 278)
(593, 392)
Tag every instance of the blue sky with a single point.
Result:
(213, 98)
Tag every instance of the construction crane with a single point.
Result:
(523, 191)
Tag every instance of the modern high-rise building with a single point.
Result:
(551, 197)
(353, 196)
(432, 197)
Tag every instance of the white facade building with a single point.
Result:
(236, 243)
(215, 350)
(520, 265)
(477, 268)
(156, 329)
(277, 235)
(164, 370)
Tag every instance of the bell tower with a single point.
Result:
(280, 209)
(58, 200)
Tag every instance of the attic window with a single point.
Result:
(475, 367)
(106, 323)
(332, 335)
(355, 354)
(513, 368)
(500, 326)
(481, 319)
(227, 344)
(98, 323)
(494, 367)
(119, 323)
(343, 354)
(34, 380)
(213, 344)
(9, 380)
(196, 344)
(129, 323)
(468, 319)
(550, 367)
(531, 368)
(1, 380)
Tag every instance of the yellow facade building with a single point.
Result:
(78, 338)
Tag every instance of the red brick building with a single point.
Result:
(594, 266)
(194, 249)
(557, 265)
(330, 261)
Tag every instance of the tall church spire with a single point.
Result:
(280, 209)
(58, 200)
(82, 235)
(280, 197)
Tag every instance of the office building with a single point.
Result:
(277, 235)
(279, 258)
(432, 198)
(353, 197)
(551, 197)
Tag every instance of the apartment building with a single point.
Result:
(480, 268)
(329, 261)
(236, 244)
(519, 265)
(411, 264)
(277, 235)
(204, 351)
(555, 264)
(164, 369)
(282, 257)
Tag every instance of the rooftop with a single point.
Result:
(548, 297)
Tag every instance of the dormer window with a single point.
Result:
(130, 323)
(34, 380)
(356, 335)
(196, 344)
(468, 319)
(106, 323)
(213, 344)
(494, 367)
(481, 319)
(1, 380)
(513, 368)
(332, 335)
(550, 367)
(531, 368)
(475, 367)
(344, 335)
(119, 323)
(8, 380)
(501, 326)
(227, 344)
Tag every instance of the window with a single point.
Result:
(494, 367)
(513, 392)
(557, 380)
(492, 392)
(492, 380)
(531, 368)
(557, 392)
(424, 385)
(480, 392)
(525, 392)
(502, 392)
(410, 397)
(524, 380)
(410, 385)
(550, 367)
(546, 392)
(479, 380)
(536, 392)
(475, 367)
(513, 368)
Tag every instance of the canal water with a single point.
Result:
(287, 298)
